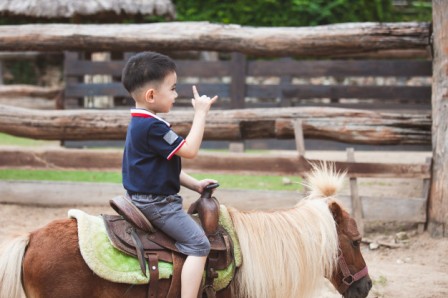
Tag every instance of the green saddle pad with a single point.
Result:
(111, 264)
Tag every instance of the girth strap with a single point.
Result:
(175, 286)
(153, 286)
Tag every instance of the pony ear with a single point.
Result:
(336, 210)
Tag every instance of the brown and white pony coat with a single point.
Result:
(286, 253)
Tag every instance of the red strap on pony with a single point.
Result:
(349, 278)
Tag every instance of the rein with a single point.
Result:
(349, 278)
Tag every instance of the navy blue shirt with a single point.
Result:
(150, 165)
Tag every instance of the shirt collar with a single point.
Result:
(136, 111)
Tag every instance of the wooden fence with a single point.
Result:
(322, 41)
(283, 82)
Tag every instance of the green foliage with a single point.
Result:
(299, 12)
(22, 72)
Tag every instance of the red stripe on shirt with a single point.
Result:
(175, 150)
(141, 115)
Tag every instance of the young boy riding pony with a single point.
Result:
(152, 172)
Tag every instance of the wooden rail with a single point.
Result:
(319, 41)
(345, 125)
(285, 92)
(220, 162)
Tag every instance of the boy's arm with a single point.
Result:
(201, 105)
(194, 184)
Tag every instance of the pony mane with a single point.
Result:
(323, 181)
(294, 248)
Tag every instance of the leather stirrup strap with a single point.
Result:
(175, 286)
(140, 251)
(153, 285)
(209, 292)
(210, 275)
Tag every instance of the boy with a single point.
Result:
(152, 172)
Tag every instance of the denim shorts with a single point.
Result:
(167, 214)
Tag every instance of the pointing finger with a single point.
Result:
(195, 92)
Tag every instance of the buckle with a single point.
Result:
(350, 281)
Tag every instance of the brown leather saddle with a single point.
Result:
(131, 233)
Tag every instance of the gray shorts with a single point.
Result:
(167, 214)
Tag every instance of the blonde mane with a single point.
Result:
(286, 253)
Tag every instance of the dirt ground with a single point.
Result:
(414, 267)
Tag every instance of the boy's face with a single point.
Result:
(164, 94)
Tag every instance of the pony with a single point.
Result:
(286, 253)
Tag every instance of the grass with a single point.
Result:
(381, 281)
(227, 181)
(56, 175)
(10, 140)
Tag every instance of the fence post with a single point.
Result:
(238, 84)
(438, 200)
(1, 72)
(354, 195)
(298, 136)
(425, 194)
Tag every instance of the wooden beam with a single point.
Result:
(318, 41)
(206, 161)
(345, 125)
(29, 91)
(339, 68)
(438, 201)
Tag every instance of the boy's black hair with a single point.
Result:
(146, 67)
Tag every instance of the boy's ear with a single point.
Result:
(149, 95)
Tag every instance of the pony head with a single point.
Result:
(350, 275)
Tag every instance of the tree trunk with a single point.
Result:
(345, 125)
(438, 200)
(319, 41)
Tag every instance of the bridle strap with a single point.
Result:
(349, 278)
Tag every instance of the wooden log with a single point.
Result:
(391, 54)
(438, 201)
(206, 161)
(29, 102)
(29, 91)
(319, 41)
(345, 125)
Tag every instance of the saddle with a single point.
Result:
(131, 233)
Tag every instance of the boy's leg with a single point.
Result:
(167, 214)
(192, 276)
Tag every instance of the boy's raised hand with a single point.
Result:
(202, 103)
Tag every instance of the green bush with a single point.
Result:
(299, 12)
